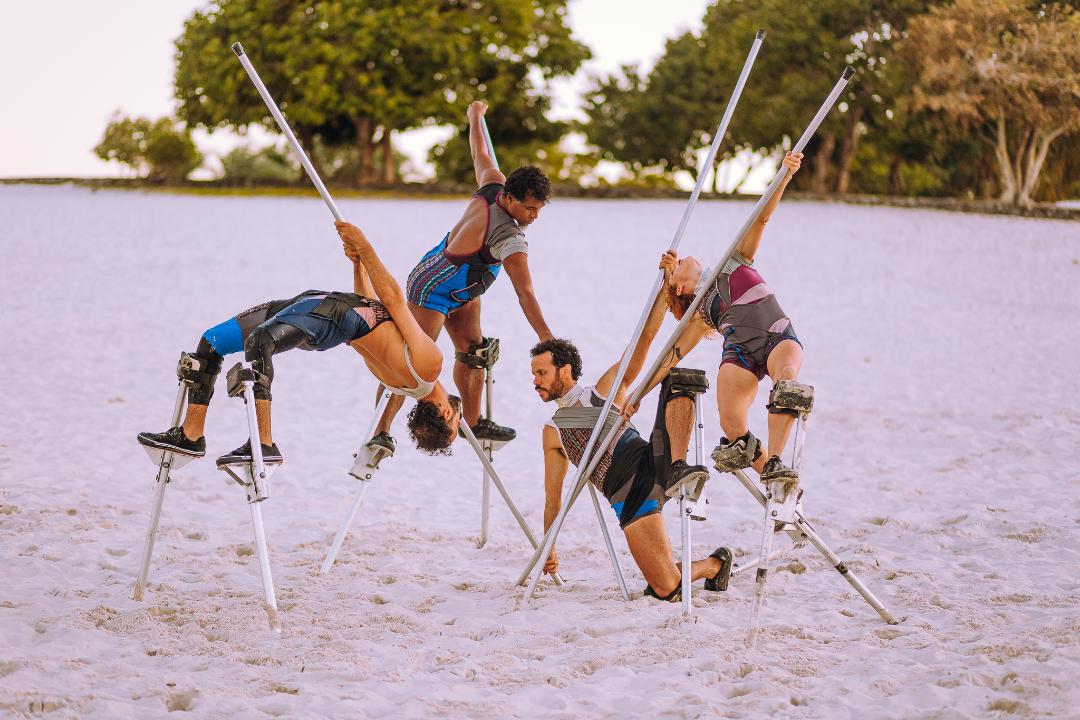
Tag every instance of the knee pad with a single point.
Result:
(481, 355)
(198, 371)
(258, 350)
(736, 454)
(790, 398)
(686, 382)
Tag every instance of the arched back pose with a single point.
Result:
(373, 319)
(759, 340)
(445, 286)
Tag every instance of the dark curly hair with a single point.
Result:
(429, 429)
(563, 352)
(528, 180)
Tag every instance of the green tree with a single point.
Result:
(160, 150)
(356, 72)
(1007, 71)
(245, 167)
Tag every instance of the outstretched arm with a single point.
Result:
(425, 353)
(637, 358)
(361, 283)
(749, 244)
(483, 164)
(517, 267)
(693, 333)
(555, 466)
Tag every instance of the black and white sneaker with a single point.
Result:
(776, 470)
(173, 440)
(383, 443)
(692, 476)
(485, 429)
(270, 453)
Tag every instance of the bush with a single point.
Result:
(160, 150)
(269, 165)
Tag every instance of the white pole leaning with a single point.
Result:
(365, 482)
(286, 130)
(549, 538)
(487, 139)
(689, 314)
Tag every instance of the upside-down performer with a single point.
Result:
(759, 340)
(373, 319)
(636, 476)
(444, 288)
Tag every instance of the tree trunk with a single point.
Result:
(847, 150)
(365, 172)
(1005, 170)
(896, 183)
(389, 162)
(819, 180)
(1036, 159)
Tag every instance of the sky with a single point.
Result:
(66, 66)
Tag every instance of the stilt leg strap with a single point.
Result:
(238, 375)
(190, 371)
(736, 454)
(481, 355)
(687, 381)
(791, 398)
(674, 596)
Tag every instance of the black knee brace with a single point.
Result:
(481, 355)
(260, 347)
(198, 371)
(685, 382)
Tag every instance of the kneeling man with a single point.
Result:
(634, 479)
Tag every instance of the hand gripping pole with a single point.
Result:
(635, 396)
(285, 129)
(582, 477)
(475, 444)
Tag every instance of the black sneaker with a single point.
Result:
(271, 455)
(485, 429)
(382, 441)
(173, 440)
(776, 470)
(689, 475)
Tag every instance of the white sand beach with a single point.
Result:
(941, 465)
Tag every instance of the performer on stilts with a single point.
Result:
(636, 476)
(759, 340)
(374, 320)
(444, 289)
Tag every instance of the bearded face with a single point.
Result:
(550, 382)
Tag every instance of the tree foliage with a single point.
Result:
(159, 150)
(355, 72)
(1006, 70)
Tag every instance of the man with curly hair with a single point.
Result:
(444, 289)
(374, 320)
(635, 475)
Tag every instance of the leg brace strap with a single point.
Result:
(481, 355)
(790, 398)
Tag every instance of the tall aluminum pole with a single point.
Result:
(286, 130)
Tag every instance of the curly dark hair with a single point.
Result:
(429, 429)
(563, 352)
(528, 180)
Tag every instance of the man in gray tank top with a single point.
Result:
(444, 288)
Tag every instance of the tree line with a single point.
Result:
(977, 98)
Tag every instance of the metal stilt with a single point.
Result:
(254, 477)
(691, 508)
(167, 463)
(485, 495)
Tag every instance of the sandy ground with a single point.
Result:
(941, 465)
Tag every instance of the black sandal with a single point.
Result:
(719, 582)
